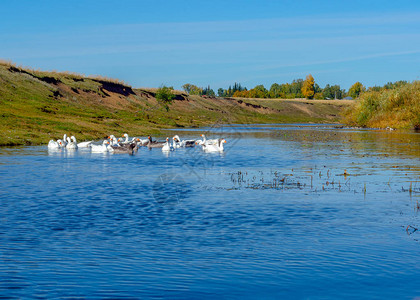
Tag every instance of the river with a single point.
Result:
(286, 211)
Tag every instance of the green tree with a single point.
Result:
(231, 90)
(308, 88)
(221, 92)
(192, 89)
(317, 89)
(332, 92)
(187, 87)
(295, 89)
(395, 85)
(258, 92)
(165, 96)
(208, 92)
(356, 89)
(318, 96)
(276, 91)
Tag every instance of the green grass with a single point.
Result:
(37, 106)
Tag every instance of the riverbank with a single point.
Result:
(36, 106)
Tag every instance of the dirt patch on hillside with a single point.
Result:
(303, 108)
(116, 88)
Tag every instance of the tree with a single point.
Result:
(277, 91)
(332, 92)
(318, 96)
(395, 85)
(165, 96)
(317, 88)
(308, 88)
(192, 89)
(337, 91)
(356, 89)
(208, 92)
(243, 94)
(295, 89)
(221, 92)
(236, 87)
(258, 92)
(187, 87)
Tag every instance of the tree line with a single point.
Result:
(298, 88)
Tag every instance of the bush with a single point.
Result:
(165, 96)
(397, 108)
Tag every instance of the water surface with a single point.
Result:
(293, 211)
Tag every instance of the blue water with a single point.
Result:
(274, 216)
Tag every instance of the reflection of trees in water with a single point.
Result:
(359, 141)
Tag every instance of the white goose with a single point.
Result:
(82, 144)
(104, 147)
(206, 141)
(113, 140)
(126, 141)
(71, 145)
(55, 144)
(185, 143)
(142, 142)
(167, 147)
(218, 147)
(61, 143)
(65, 140)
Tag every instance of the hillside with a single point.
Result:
(36, 106)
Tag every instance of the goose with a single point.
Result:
(127, 140)
(100, 148)
(167, 146)
(60, 142)
(218, 147)
(54, 144)
(127, 148)
(65, 140)
(154, 144)
(82, 144)
(206, 141)
(142, 142)
(185, 143)
(113, 140)
(71, 145)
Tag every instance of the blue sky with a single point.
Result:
(217, 43)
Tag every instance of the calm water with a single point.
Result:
(286, 211)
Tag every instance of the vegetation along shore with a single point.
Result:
(36, 106)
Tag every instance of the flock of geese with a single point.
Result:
(131, 145)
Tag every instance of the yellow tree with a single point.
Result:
(308, 88)
(356, 89)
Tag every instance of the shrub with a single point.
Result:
(397, 108)
(165, 96)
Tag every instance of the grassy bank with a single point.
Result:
(36, 106)
(396, 108)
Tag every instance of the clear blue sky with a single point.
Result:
(149, 43)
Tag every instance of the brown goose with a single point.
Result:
(128, 148)
(154, 144)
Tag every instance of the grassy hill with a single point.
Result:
(36, 106)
